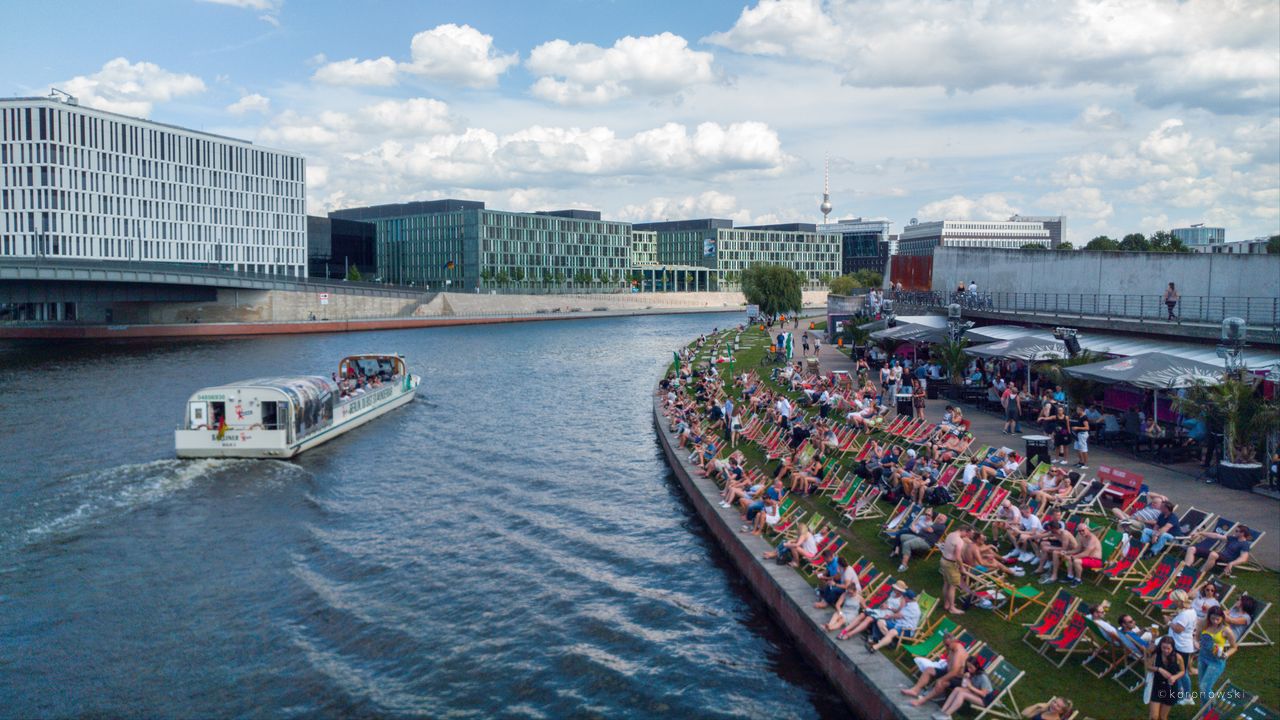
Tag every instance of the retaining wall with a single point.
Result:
(868, 683)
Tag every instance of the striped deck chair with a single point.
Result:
(989, 510)
(864, 507)
(967, 494)
(1192, 521)
(1126, 567)
(830, 547)
(1108, 652)
(1004, 677)
(1187, 580)
(921, 433)
(1153, 585)
(1258, 711)
(1089, 501)
(936, 546)
(948, 476)
(925, 643)
(900, 517)
(977, 499)
(1252, 564)
(1054, 613)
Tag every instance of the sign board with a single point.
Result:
(324, 298)
(753, 312)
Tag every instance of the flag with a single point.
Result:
(448, 265)
(676, 355)
(789, 346)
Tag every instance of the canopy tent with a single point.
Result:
(1257, 358)
(1027, 349)
(912, 333)
(1151, 371)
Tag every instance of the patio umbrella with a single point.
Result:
(1027, 349)
(1151, 371)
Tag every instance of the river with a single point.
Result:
(510, 544)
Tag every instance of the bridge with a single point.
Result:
(1195, 316)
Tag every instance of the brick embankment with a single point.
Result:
(868, 683)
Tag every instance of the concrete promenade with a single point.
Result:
(1178, 482)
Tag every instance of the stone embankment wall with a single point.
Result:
(1107, 273)
(481, 304)
(868, 683)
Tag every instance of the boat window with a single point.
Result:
(196, 415)
(269, 421)
(217, 414)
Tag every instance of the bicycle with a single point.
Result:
(772, 356)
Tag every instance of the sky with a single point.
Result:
(1124, 116)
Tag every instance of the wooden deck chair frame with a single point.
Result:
(1071, 603)
(1004, 705)
(1227, 703)
(1256, 635)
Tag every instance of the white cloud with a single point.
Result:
(710, 203)
(454, 53)
(584, 73)
(1196, 53)
(1078, 202)
(250, 103)
(457, 53)
(270, 9)
(782, 27)
(336, 131)
(991, 206)
(413, 117)
(380, 72)
(1097, 117)
(131, 88)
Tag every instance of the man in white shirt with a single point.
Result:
(900, 624)
(783, 406)
(1029, 527)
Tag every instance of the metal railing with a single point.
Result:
(1257, 312)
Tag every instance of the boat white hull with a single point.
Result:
(250, 443)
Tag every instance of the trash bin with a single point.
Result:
(1037, 450)
(904, 403)
(932, 389)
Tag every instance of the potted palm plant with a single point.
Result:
(1236, 405)
(953, 359)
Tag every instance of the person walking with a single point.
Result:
(1171, 298)
(1217, 643)
(1012, 403)
(1166, 668)
(804, 342)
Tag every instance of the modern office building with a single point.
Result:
(864, 244)
(461, 245)
(335, 246)
(644, 248)
(1256, 246)
(716, 245)
(89, 184)
(1198, 235)
(919, 238)
(1055, 224)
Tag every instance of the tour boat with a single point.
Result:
(282, 416)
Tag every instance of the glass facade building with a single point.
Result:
(81, 183)
(1200, 235)
(334, 246)
(460, 244)
(726, 251)
(864, 244)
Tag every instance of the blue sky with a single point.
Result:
(1131, 116)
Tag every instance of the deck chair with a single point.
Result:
(1227, 702)
(1112, 539)
(1127, 567)
(1193, 520)
(1108, 653)
(1153, 585)
(1254, 634)
(1004, 677)
(1055, 611)
(1252, 564)
(1068, 640)
(924, 644)
(1187, 580)
(1089, 501)
(1257, 711)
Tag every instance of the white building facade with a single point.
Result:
(79, 183)
(922, 238)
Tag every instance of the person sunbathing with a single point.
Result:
(1084, 552)
(768, 517)
(940, 672)
(974, 690)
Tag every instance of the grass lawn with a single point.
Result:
(1254, 669)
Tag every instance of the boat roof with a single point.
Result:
(277, 383)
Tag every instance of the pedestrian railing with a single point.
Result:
(1257, 312)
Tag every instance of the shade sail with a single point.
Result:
(1153, 371)
(912, 333)
(1255, 357)
(1030, 349)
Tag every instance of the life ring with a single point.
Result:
(256, 426)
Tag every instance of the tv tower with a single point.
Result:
(825, 207)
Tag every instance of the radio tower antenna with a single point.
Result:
(825, 207)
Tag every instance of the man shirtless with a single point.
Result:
(1086, 554)
(952, 577)
(946, 669)
(1055, 539)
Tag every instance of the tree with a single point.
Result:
(1135, 242)
(582, 277)
(774, 288)
(1162, 241)
(503, 278)
(1235, 405)
(486, 275)
(1273, 245)
(1034, 246)
(1079, 390)
(1102, 242)
(353, 274)
(517, 274)
(1066, 245)
(843, 285)
(954, 359)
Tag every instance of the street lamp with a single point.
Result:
(890, 320)
(956, 327)
(1231, 344)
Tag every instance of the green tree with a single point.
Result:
(843, 285)
(1135, 242)
(868, 278)
(776, 289)
(1066, 245)
(1102, 242)
(582, 277)
(1162, 241)
(1273, 245)
(503, 278)
(486, 275)
(954, 359)
(353, 274)
(517, 274)
(1034, 246)
(559, 278)
(1237, 406)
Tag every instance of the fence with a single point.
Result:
(1257, 312)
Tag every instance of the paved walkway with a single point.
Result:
(1176, 481)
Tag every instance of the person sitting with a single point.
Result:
(974, 690)
(1024, 533)
(1205, 599)
(1134, 638)
(1055, 540)
(941, 672)
(1232, 554)
(889, 606)
(848, 608)
(1240, 616)
(1145, 516)
(1085, 553)
(1164, 529)
(1056, 709)
(837, 582)
(804, 546)
(889, 628)
(1056, 487)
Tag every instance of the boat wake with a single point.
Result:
(64, 506)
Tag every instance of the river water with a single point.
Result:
(510, 544)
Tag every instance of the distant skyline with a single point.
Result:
(1124, 117)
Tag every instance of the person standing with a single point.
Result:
(1167, 668)
(1012, 403)
(804, 341)
(1217, 643)
(1080, 428)
(1171, 298)
(918, 397)
(949, 566)
(1182, 630)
